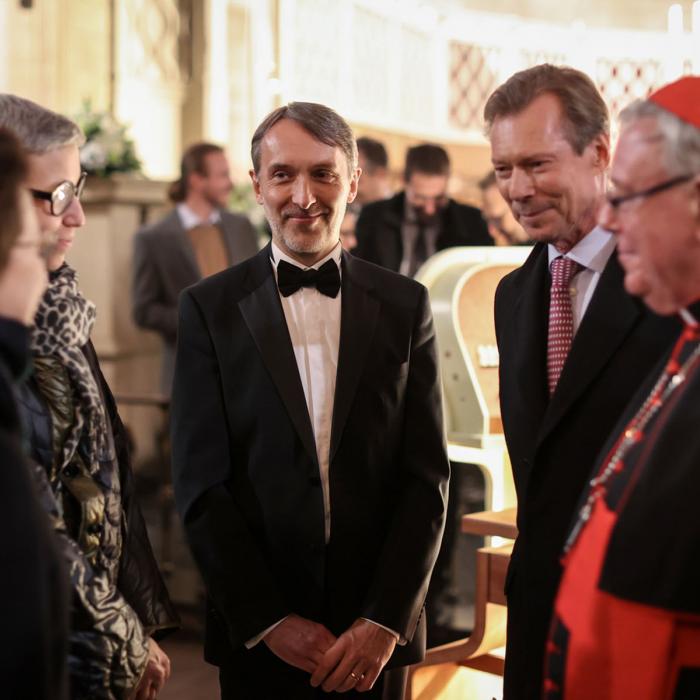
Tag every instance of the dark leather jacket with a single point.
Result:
(119, 597)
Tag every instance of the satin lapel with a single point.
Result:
(527, 355)
(359, 313)
(610, 316)
(263, 314)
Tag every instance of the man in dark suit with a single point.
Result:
(401, 233)
(196, 239)
(309, 462)
(573, 345)
(627, 615)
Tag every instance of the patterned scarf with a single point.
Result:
(61, 327)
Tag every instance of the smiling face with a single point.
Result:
(304, 186)
(659, 235)
(46, 172)
(554, 193)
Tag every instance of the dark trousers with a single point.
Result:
(266, 677)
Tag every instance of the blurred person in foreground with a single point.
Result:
(503, 227)
(573, 345)
(311, 476)
(627, 615)
(198, 238)
(401, 233)
(74, 431)
(34, 583)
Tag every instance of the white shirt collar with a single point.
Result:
(278, 255)
(592, 251)
(687, 317)
(189, 219)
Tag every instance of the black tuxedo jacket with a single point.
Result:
(378, 230)
(553, 443)
(246, 476)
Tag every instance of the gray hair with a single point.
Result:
(38, 129)
(681, 139)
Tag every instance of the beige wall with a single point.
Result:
(56, 53)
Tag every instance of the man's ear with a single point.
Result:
(601, 151)
(354, 181)
(256, 186)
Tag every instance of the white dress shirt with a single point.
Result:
(592, 252)
(189, 219)
(313, 321)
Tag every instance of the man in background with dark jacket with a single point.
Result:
(401, 233)
(196, 239)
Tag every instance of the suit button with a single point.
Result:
(315, 480)
(71, 471)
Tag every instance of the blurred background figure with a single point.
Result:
(401, 233)
(77, 438)
(34, 583)
(375, 182)
(503, 227)
(198, 238)
(347, 231)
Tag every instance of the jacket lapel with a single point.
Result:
(263, 314)
(527, 355)
(610, 316)
(359, 314)
(182, 248)
(390, 236)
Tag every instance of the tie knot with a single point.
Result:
(563, 270)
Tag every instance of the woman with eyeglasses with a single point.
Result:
(119, 600)
(34, 582)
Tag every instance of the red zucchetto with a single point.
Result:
(681, 98)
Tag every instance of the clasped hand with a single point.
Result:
(353, 660)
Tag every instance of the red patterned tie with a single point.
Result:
(561, 318)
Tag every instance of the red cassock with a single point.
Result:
(627, 616)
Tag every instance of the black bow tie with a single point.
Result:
(291, 278)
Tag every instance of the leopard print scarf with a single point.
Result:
(61, 327)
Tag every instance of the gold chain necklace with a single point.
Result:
(671, 378)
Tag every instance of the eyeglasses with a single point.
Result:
(63, 195)
(616, 201)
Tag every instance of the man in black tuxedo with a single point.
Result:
(401, 233)
(561, 390)
(309, 462)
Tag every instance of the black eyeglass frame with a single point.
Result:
(54, 197)
(615, 202)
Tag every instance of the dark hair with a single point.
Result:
(13, 172)
(585, 111)
(489, 180)
(428, 158)
(193, 161)
(374, 153)
(320, 121)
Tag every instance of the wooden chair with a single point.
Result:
(489, 633)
